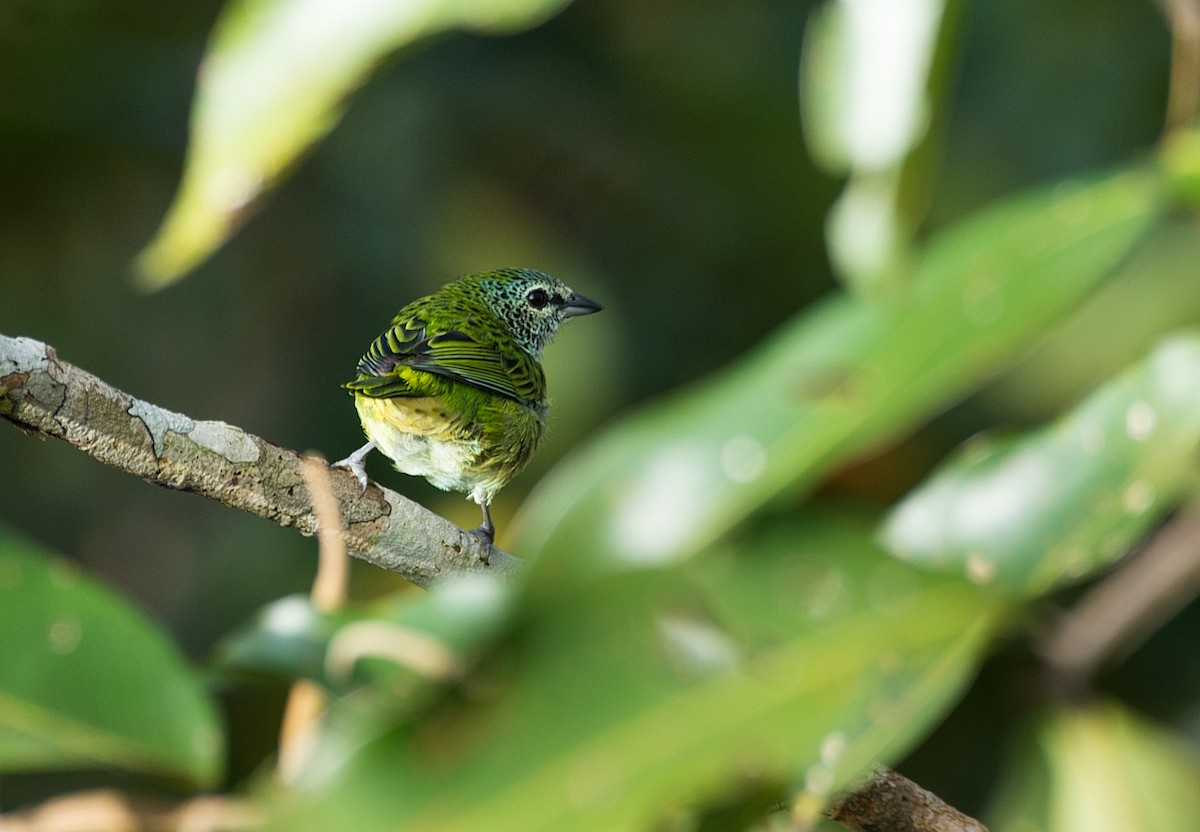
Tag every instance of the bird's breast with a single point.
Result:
(426, 437)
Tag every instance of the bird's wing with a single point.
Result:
(452, 354)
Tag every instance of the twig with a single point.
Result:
(1120, 611)
(333, 569)
(104, 810)
(306, 702)
(890, 802)
(46, 396)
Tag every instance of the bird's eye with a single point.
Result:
(537, 298)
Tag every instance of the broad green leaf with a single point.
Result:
(1100, 769)
(796, 661)
(274, 81)
(1030, 513)
(1153, 293)
(88, 682)
(669, 481)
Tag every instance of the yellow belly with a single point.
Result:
(424, 439)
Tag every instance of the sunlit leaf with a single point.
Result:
(864, 78)
(1100, 769)
(796, 661)
(88, 682)
(275, 80)
(1055, 505)
(868, 93)
(669, 481)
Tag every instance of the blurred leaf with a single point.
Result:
(275, 80)
(1031, 513)
(798, 660)
(1180, 159)
(664, 484)
(869, 89)
(868, 241)
(1100, 769)
(1154, 292)
(286, 638)
(399, 643)
(87, 681)
(385, 664)
(863, 81)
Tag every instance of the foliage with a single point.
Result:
(701, 629)
(1099, 768)
(95, 683)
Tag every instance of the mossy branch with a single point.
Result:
(46, 396)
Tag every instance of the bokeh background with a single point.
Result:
(649, 154)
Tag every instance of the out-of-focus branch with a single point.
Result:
(1137, 597)
(1183, 98)
(306, 702)
(890, 801)
(46, 396)
(111, 811)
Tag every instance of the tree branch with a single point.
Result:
(890, 801)
(1133, 601)
(46, 396)
(1183, 93)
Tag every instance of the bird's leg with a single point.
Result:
(487, 529)
(354, 462)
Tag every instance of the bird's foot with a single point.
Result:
(356, 467)
(484, 536)
(487, 529)
(354, 463)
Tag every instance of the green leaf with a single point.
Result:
(1100, 769)
(446, 627)
(274, 81)
(669, 481)
(286, 638)
(797, 661)
(1031, 513)
(87, 681)
(384, 664)
(1153, 293)
(1180, 160)
(864, 79)
(872, 87)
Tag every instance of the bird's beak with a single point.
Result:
(580, 305)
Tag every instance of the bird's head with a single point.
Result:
(532, 304)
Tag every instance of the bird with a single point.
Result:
(454, 391)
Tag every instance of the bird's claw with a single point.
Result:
(356, 467)
(354, 463)
(484, 536)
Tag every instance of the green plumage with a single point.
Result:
(454, 389)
